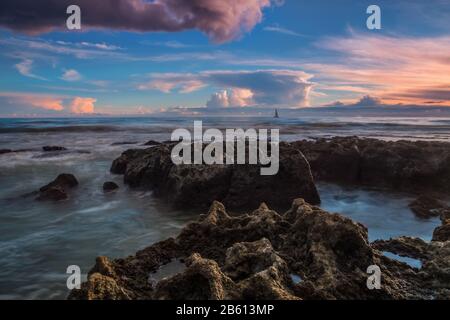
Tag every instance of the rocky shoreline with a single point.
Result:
(303, 252)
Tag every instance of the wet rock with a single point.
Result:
(237, 186)
(426, 207)
(110, 186)
(53, 148)
(3, 151)
(57, 189)
(407, 165)
(253, 255)
(152, 143)
(64, 180)
(119, 165)
(55, 193)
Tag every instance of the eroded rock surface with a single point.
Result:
(237, 186)
(409, 165)
(254, 255)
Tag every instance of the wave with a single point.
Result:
(96, 128)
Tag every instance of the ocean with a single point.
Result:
(39, 240)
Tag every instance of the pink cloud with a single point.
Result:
(35, 100)
(81, 105)
(397, 69)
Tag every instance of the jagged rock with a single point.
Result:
(435, 257)
(57, 189)
(408, 165)
(411, 247)
(202, 280)
(110, 186)
(237, 186)
(442, 233)
(426, 207)
(252, 256)
(259, 271)
(53, 148)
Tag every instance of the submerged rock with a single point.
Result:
(237, 186)
(254, 255)
(408, 165)
(110, 186)
(57, 189)
(152, 143)
(55, 193)
(3, 151)
(123, 143)
(53, 148)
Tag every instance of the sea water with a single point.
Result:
(39, 240)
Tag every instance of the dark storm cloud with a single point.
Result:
(221, 20)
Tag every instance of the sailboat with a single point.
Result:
(276, 116)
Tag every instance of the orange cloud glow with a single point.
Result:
(35, 100)
(396, 69)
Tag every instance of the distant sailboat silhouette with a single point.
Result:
(276, 116)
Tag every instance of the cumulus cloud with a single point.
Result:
(82, 105)
(289, 88)
(71, 75)
(221, 20)
(231, 98)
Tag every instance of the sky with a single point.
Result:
(162, 56)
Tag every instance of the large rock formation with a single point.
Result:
(408, 165)
(260, 254)
(237, 186)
